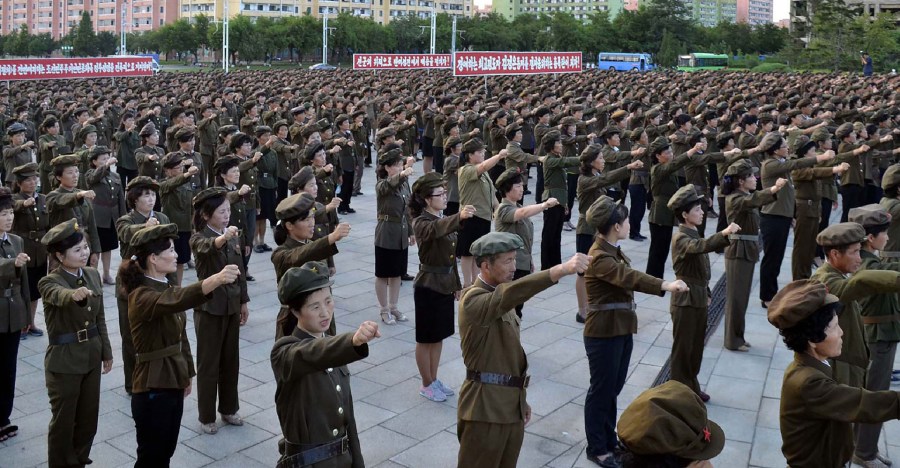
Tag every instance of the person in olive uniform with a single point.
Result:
(164, 366)
(555, 186)
(14, 307)
(242, 148)
(492, 411)
(890, 182)
(141, 196)
(217, 321)
(176, 191)
(228, 175)
(816, 410)
(50, 144)
(611, 321)
(267, 168)
(18, 152)
(108, 203)
(742, 205)
(312, 397)
(667, 425)
(149, 155)
(78, 345)
(31, 223)
(67, 202)
(437, 283)
(392, 233)
(298, 243)
(690, 261)
(475, 189)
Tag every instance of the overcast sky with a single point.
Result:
(781, 8)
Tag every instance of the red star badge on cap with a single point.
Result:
(706, 434)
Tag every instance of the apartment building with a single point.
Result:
(382, 11)
(59, 17)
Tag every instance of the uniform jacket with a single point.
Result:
(880, 312)
(109, 204)
(294, 253)
(175, 194)
(518, 158)
(31, 223)
(772, 169)
(392, 230)
(743, 208)
(14, 307)
(146, 167)
(664, 184)
(690, 260)
(555, 185)
(436, 238)
(226, 299)
(476, 190)
(592, 187)
(63, 205)
(126, 145)
(505, 221)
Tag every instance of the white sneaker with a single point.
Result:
(433, 393)
(447, 390)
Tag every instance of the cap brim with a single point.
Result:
(715, 445)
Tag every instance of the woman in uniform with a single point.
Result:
(611, 283)
(312, 397)
(476, 189)
(176, 192)
(149, 155)
(164, 365)
(109, 204)
(742, 204)
(324, 192)
(437, 284)
(14, 311)
(127, 141)
(555, 186)
(73, 309)
(31, 223)
(450, 157)
(67, 202)
(228, 175)
(392, 233)
(217, 322)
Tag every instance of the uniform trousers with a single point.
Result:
(520, 274)
(358, 171)
(608, 360)
(9, 352)
(878, 379)
(824, 219)
(660, 241)
(249, 233)
(127, 343)
(701, 229)
(217, 363)
(852, 196)
(126, 175)
(551, 237)
(638, 207)
(805, 230)
(739, 281)
(774, 230)
(157, 417)
(346, 189)
(688, 333)
(572, 187)
(437, 158)
(873, 193)
(484, 444)
(722, 222)
(74, 403)
(45, 181)
(281, 190)
(208, 161)
(539, 183)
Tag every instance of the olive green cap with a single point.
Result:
(390, 154)
(820, 134)
(143, 182)
(308, 130)
(496, 243)
(427, 183)
(26, 170)
(223, 164)
(723, 137)
(769, 141)
(83, 132)
(148, 129)
(239, 139)
(590, 153)
(796, 301)
(98, 151)
(844, 130)
(891, 177)
(149, 234)
(618, 115)
(871, 215)
(683, 197)
(301, 178)
(841, 234)
(206, 194)
(66, 160)
(262, 130)
(599, 212)
(450, 142)
(740, 168)
(172, 159)
(511, 129)
(341, 119)
(506, 175)
(323, 124)
(473, 145)
(659, 145)
(385, 133)
(298, 280)
(609, 131)
(670, 419)
(61, 232)
(295, 206)
(185, 133)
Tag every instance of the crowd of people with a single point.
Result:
(190, 170)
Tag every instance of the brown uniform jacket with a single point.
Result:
(592, 187)
(294, 253)
(808, 186)
(392, 230)
(63, 205)
(664, 184)
(690, 260)
(31, 223)
(109, 204)
(611, 280)
(743, 208)
(146, 167)
(14, 302)
(312, 397)
(226, 299)
(436, 238)
(65, 316)
(156, 313)
(505, 221)
(490, 341)
(518, 158)
(772, 169)
(13, 157)
(892, 205)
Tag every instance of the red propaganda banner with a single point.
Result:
(516, 63)
(88, 67)
(400, 61)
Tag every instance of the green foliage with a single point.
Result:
(107, 43)
(84, 42)
(767, 67)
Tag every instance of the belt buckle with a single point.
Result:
(526, 381)
(345, 445)
(82, 335)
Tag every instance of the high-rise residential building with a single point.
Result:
(712, 12)
(382, 11)
(59, 17)
(802, 12)
(580, 9)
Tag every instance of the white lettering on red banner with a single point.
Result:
(60, 68)
(516, 63)
(400, 61)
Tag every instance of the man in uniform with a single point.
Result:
(492, 409)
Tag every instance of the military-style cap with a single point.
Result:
(206, 194)
(143, 182)
(723, 137)
(858, 127)
(84, 131)
(49, 121)
(506, 175)
(427, 183)
(872, 215)
(473, 145)
(841, 234)
(223, 164)
(98, 151)
(568, 121)
(66, 160)
(239, 139)
(891, 177)
(16, 128)
(385, 133)
(262, 130)
(148, 129)
(670, 419)
(618, 115)
(511, 129)
(279, 124)
(769, 142)
(61, 232)
(185, 133)
(175, 112)
(590, 153)
(609, 131)
(308, 130)
(25, 171)
(763, 118)
(390, 155)
(149, 234)
(599, 212)
(341, 119)
(820, 134)
(659, 145)
(880, 116)
(683, 197)
(495, 243)
(357, 113)
(298, 110)
(450, 142)
(296, 206)
(741, 168)
(301, 178)
(551, 135)
(311, 276)
(226, 130)
(635, 133)
(803, 146)
(796, 301)
(172, 159)
(844, 130)
(323, 124)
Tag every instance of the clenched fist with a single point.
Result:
(366, 332)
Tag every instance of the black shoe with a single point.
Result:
(579, 318)
(703, 396)
(259, 249)
(342, 211)
(358, 194)
(641, 236)
(527, 192)
(608, 462)
(406, 277)
(368, 164)
(250, 278)
(637, 238)
(349, 211)
(266, 248)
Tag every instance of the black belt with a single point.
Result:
(78, 337)
(612, 306)
(299, 459)
(498, 379)
(800, 201)
(441, 270)
(389, 218)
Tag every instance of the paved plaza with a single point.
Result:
(399, 428)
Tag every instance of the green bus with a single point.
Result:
(701, 61)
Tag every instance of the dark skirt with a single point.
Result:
(183, 247)
(434, 315)
(34, 275)
(452, 208)
(472, 230)
(390, 263)
(267, 202)
(583, 243)
(108, 239)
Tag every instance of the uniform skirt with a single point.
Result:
(108, 239)
(267, 202)
(472, 230)
(434, 315)
(390, 263)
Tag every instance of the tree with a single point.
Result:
(84, 42)
(599, 34)
(304, 34)
(107, 43)
(566, 31)
(669, 50)
(409, 35)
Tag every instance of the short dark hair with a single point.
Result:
(507, 184)
(619, 214)
(685, 208)
(873, 230)
(810, 329)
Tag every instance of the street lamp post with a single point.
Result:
(225, 39)
(122, 29)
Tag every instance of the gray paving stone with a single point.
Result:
(742, 365)
(766, 451)
(383, 444)
(735, 393)
(423, 421)
(439, 450)
(738, 424)
(228, 440)
(566, 425)
(546, 396)
(265, 452)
